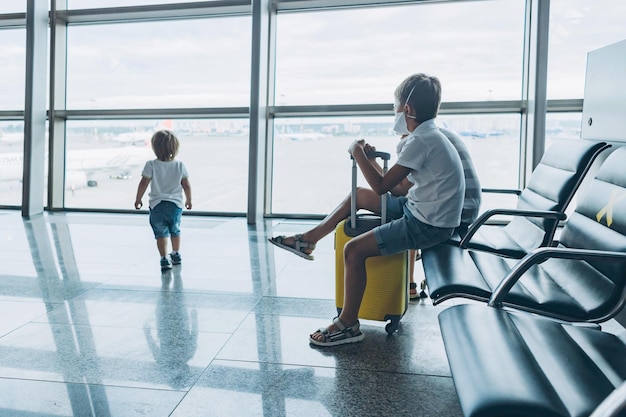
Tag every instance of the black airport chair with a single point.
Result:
(540, 206)
(582, 278)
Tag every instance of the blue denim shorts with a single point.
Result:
(404, 231)
(165, 219)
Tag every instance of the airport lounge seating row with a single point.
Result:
(536, 348)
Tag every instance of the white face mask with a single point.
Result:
(399, 125)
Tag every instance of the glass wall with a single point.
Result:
(332, 74)
(165, 64)
(360, 55)
(13, 69)
(11, 162)
(576, 28)
(104, 160)
(13, 6)
(158, 66)
(311, 165)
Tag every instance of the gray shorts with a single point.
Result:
(404, 231)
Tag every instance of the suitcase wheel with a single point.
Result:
(392, 326)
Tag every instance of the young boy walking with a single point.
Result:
(168, 180)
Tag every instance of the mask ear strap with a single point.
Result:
(407, 107)
(409, 96)
(406, 103)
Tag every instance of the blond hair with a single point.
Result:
(165, 145)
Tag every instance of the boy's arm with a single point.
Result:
(402, 188)
(141, 189)
(187, 190)
(379, 183)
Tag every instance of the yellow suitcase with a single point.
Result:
(386, 295)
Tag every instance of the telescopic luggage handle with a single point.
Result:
(385, 156)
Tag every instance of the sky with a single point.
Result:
(323, 57)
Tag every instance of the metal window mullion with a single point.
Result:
(534, 86)
(12, 20)
(303, 5)
(271, 101)
(172, 10)
(258, 110)
(56, 123)
(179, 113)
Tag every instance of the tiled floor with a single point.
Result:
(90, 327)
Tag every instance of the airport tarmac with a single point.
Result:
(309, 176)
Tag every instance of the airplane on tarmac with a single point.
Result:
(83, 164)
(131, 151)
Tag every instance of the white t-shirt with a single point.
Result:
(165, 178)
(436, 197)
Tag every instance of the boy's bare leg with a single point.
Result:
(175, 243)
(162, 246)
(355, 253)
(365, 199)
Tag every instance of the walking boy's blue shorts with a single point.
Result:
(165, 219)
(405, 231)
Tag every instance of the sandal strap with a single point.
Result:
(340, 324)
(301, 244)
(343, 332)
(343, 328)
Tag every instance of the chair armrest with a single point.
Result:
(546, 214)
(540, 255)
(613, 405)
(501, 191)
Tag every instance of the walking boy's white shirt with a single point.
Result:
(165, 181)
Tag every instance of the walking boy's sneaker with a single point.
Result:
(165, 264)
(176, 258)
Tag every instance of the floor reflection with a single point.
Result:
(92, 328)
(176, 338)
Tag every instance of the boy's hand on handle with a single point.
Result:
(370, 151)
(355, 145)
(138, 204)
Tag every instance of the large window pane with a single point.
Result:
(312, 167)
(13, 6)
(189, 63)
(361, 55)
(105, 159)
(576, 28)
(561, 126)
(11, 163)
(13, 69)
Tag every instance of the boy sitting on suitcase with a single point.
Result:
(426, 216)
